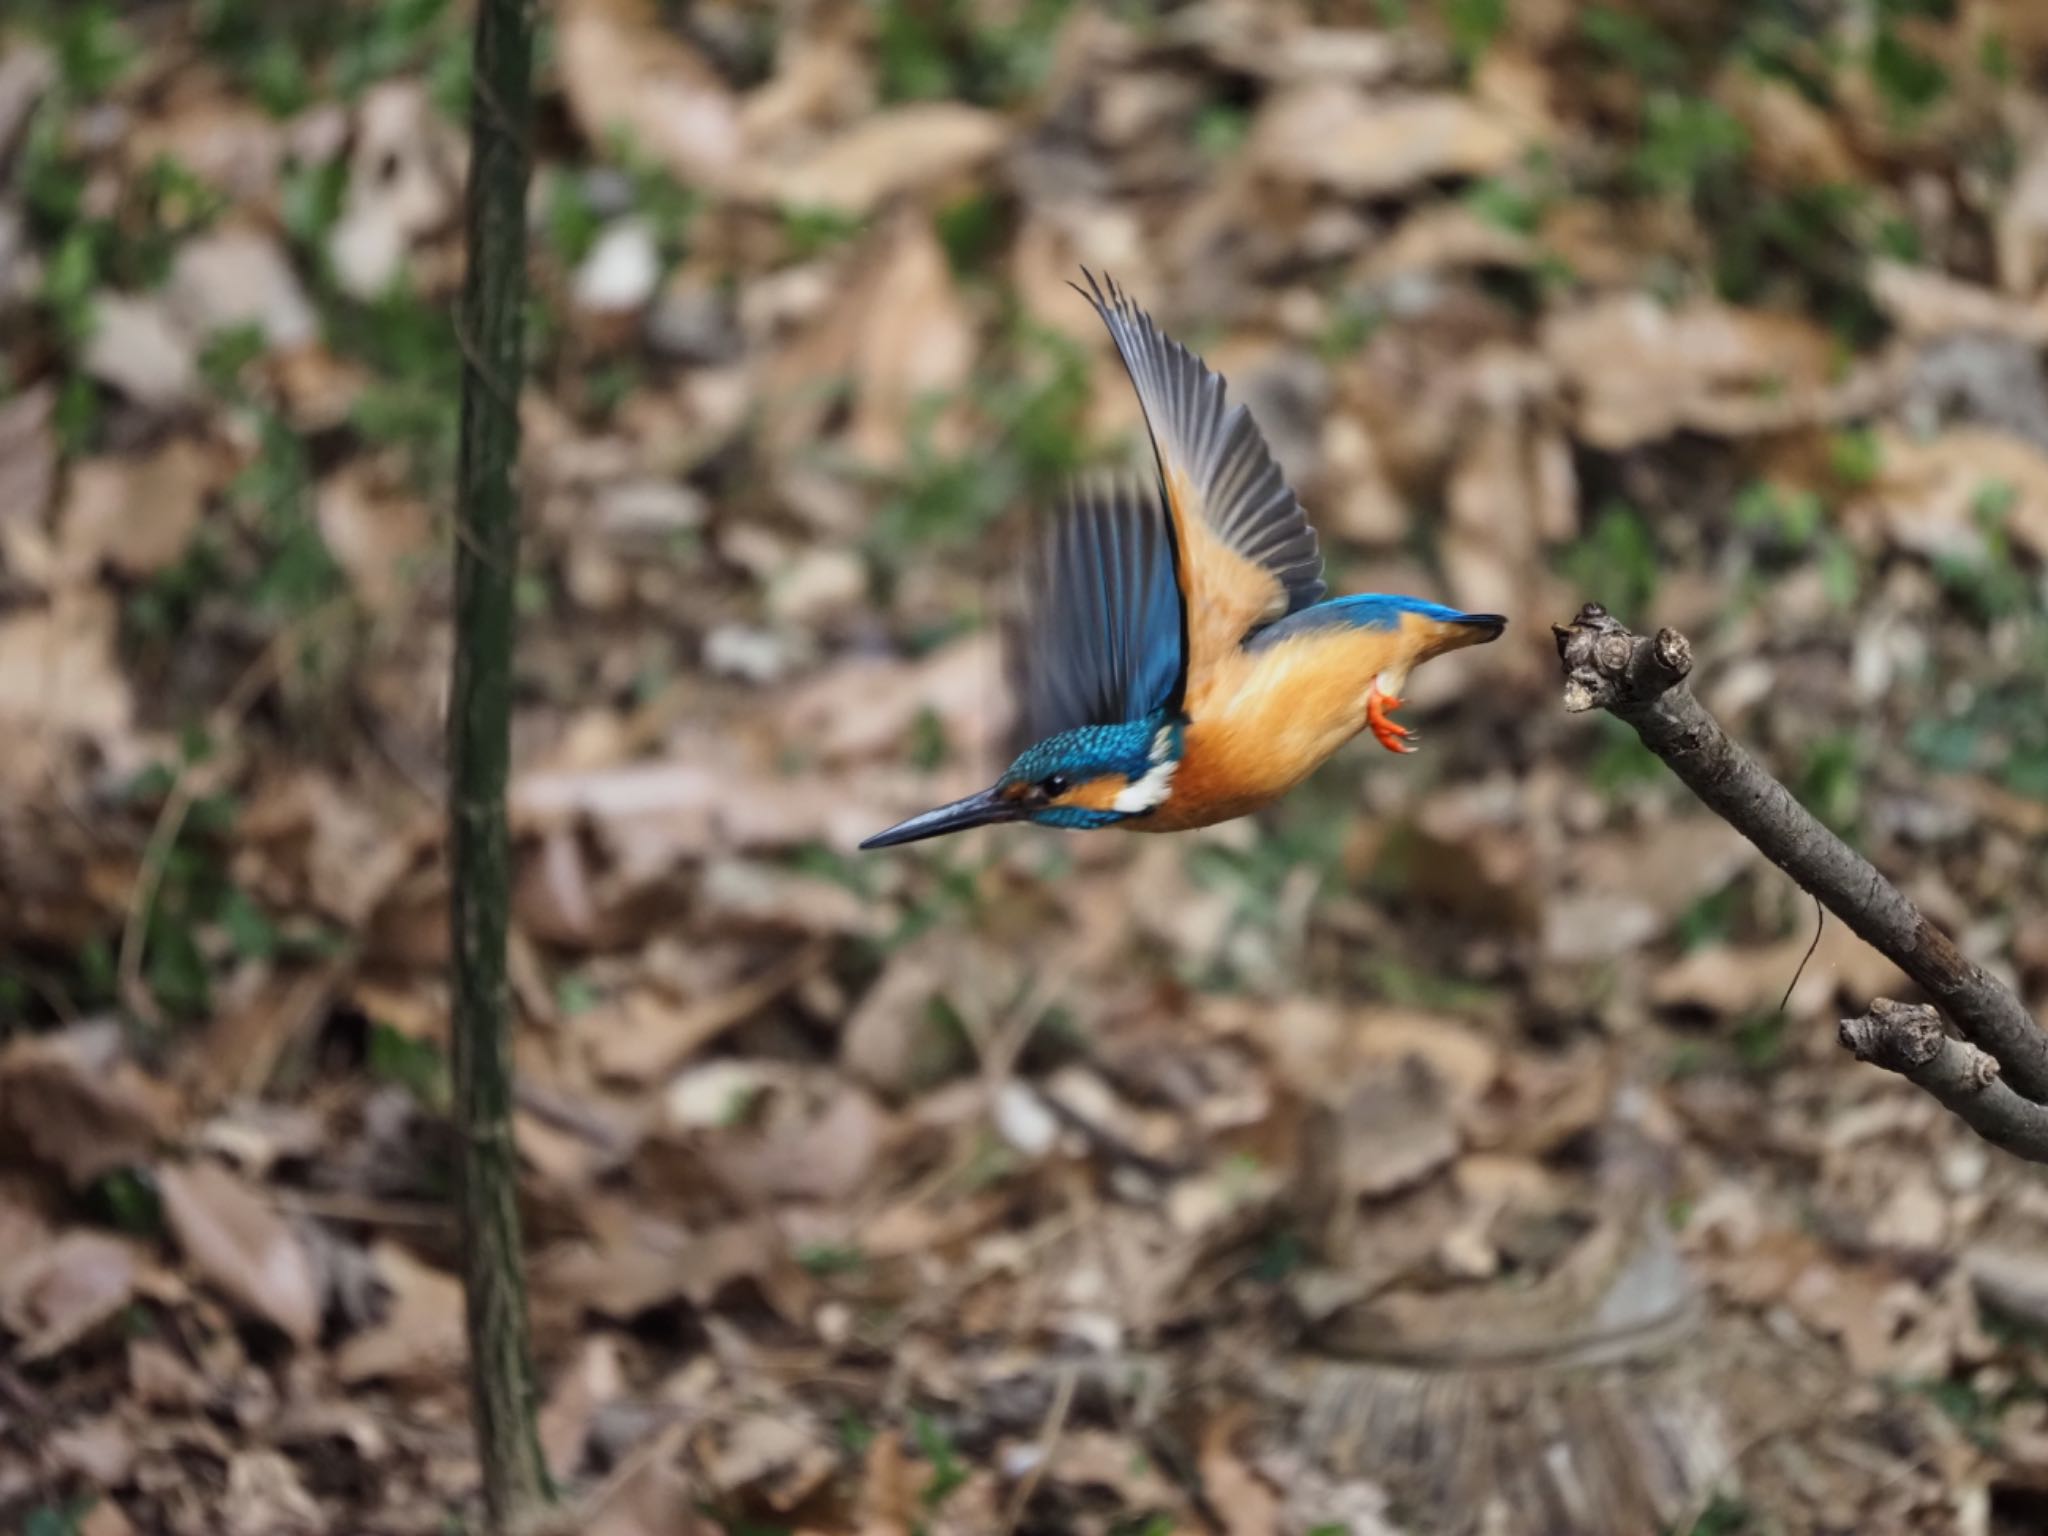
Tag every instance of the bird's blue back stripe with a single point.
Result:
(1363, 610)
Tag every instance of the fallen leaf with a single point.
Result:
(230, 278)
(403, 181)
(1929, 492)
(636, 1263)
(1393, 1130)
(1641, 371)
(916, 345)
(74, 1101)
(2020, 226)
(1925, 303)
(379, 536)
(865, 706)
(105, 1519)
(648, 1496)
(265, 1497)
(594, 1378)
(798, 1153)
(1243, 1500)
(137, 348)
(646, 1035)
(53, 1296)
(134, 515)
(160, 1379)
(1372, 146)
(100, 1450)
(420, 1338)
(780, 1457)
(236, 1239)
(628, 77)
(28, 480)
(882, 156)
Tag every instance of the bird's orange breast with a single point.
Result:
(1263, 721)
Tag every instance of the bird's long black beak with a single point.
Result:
(977, 810)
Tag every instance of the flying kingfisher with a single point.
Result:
(1179, 665)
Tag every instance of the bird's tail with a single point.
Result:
(1447, 629)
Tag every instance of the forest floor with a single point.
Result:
(1278, 1178)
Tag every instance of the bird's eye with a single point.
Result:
(1054, 785)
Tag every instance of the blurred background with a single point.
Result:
(1017, 1182)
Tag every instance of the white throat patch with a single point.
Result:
(1150, 792)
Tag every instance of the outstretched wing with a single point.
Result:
(1102, 639)
(1247, 553)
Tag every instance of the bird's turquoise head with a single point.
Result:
(1093, 776)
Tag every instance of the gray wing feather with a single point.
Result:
(1246, 501)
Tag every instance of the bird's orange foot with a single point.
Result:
(1395, 738)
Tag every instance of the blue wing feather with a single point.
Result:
(1103, 637)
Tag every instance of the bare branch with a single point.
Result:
(1638, 679)
(1908, 1038)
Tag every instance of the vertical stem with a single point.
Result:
(479, 749)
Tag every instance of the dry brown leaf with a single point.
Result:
(652, 815)
(1462, 1061)
(1731, 982)
(1392, 1130)
(28, 482)
(137, 348)
(648, 1496)
(235, 277)
(234, 146)
(626, 75)
(420, 1338)
(73, 1101)
(596, 1376)
(646, 1035)
(99, 1450)
(60, 676)
(54, 1295)
(882, 156)
(403, 180)
(1442, 237)
(380, 537)
(915, 345)
(865, 707)
(105, 1518)
(1929, 491)
(27, 69)
(1366, 146)
(160, 1379)
(637, 1263)
(2020, 226)
(1926, 303)
(1245, 1502)
(135, 515)
(236, 1239)
(800, 1153)
(1796, 142)
(265, 1497)
(1641, 371)
(779, 1457)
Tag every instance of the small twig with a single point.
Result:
(1908, 1038)
(1820, 922)
(1048, 1440)
(1638, 679)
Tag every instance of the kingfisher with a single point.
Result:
(1180, 663)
